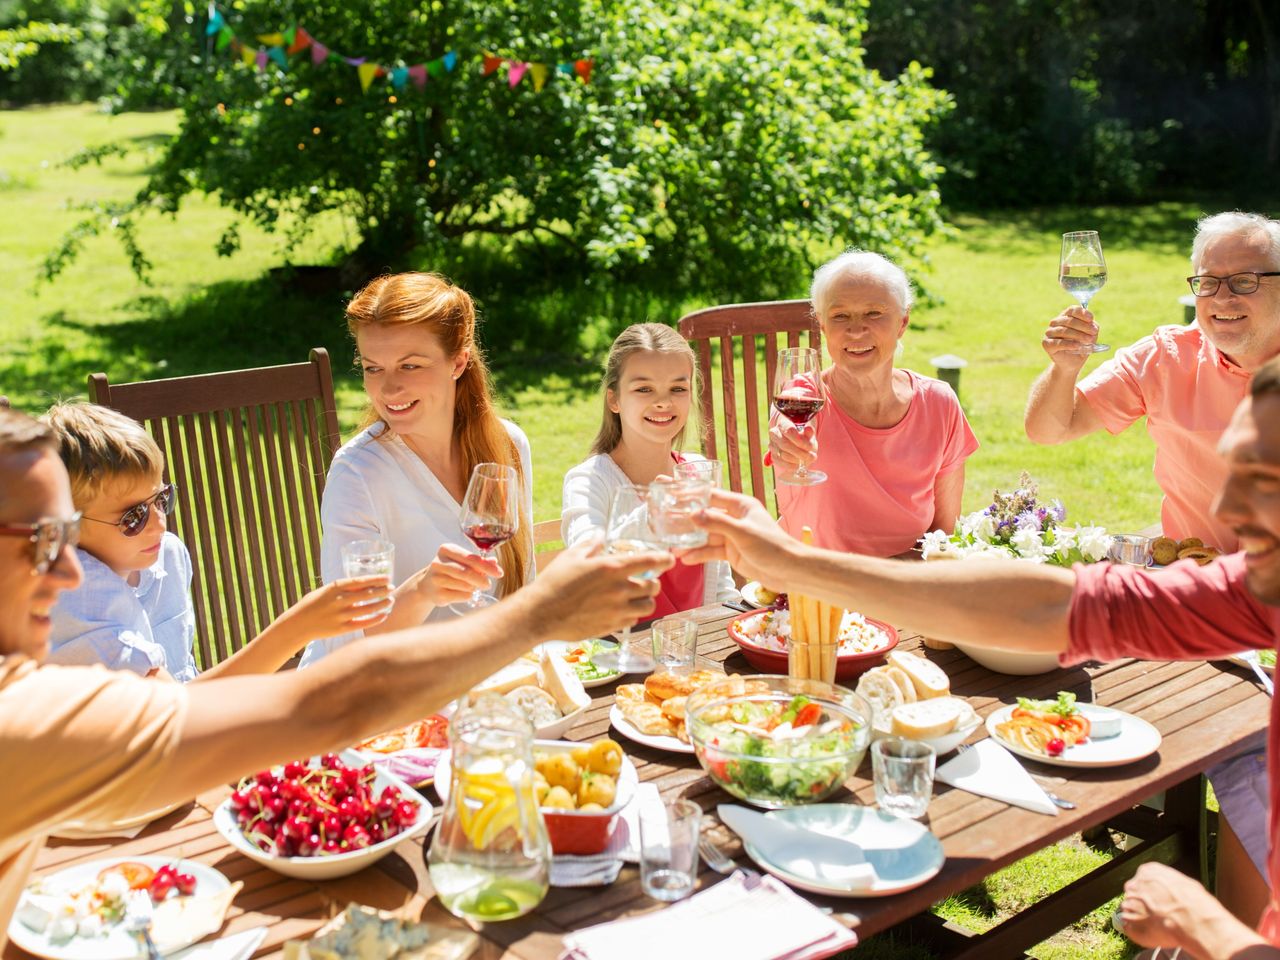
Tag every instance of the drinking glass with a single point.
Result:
(708, 471)
(669, 849)
(675, 642)
(903, 771)
(673, 505)
(797, 395)
(1132, 549)
(1082, 272)
(368, 558)
(490, 517)
(629, 528)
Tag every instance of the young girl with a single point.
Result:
(648, 389)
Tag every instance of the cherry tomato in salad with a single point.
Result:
(137, 875)
(807, 715)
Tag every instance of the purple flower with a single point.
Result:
(1058, 511)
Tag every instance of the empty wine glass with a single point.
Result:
(629, 529)
(797, 395)
(1082, 272)
(490, 517)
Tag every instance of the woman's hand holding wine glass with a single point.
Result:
(490, 517)
(798, 396)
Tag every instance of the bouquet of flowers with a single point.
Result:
(1017, 526)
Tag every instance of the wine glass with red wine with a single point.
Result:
(490, 517)
(797, 395)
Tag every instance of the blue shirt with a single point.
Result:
(139, 628)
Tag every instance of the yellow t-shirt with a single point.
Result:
(76, 743)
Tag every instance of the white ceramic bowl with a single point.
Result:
(338, 864)
(1006, 661)
(941, 745)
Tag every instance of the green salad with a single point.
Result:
(780, 752)
(580, 657)
(1267, 658)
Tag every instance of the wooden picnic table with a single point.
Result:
(1206, 712)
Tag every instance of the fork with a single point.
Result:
(1251, 658)
(137, 920)
(719, 861)
(1056, 800)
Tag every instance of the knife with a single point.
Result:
(799, 850)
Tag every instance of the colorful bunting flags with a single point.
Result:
(278, 46)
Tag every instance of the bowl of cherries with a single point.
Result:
(321, 818)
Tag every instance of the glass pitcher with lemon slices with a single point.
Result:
(490, 857)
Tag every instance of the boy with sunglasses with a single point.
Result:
(133, 610)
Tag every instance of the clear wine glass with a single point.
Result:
(490, 517)
(797, 395)
(630, 529)
(1082, 272)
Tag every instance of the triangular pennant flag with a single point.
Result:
(225, 36)
(290, 34)
(248, 55)
(450, 60)
(354, 61)
(367, 72)
(319, 52)
(216, 22)
(277, 54)
(419, 76)
(271, 39)
(539, 73)
(491, 63)
(301, 40)
(566, 67)
(436, 67)
(583, 69)
(399, 77)
(261, 58)
(515, 72)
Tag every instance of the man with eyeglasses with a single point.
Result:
(93, 745)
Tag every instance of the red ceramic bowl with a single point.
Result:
(848, 667)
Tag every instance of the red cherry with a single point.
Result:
(160, 886)
(186, 884)
(385, 808)
(406, 813)
(356, 837)
(1055, 747)
(239, 800)
(330, 761)
(332, 846)
(295, 769)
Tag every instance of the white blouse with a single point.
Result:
(379, 489)
(585, 510)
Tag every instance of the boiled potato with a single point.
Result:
(581, 755)
(605, 757)
(540, 790)
(558, 798)
(597, 788)
(559, 769)
(591, 808)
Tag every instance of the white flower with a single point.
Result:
(1094, 542)
(980, 526)
(935, 542)
(1064, 539)
(1029, 544)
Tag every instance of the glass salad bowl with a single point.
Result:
(777, 741)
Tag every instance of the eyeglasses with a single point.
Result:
(134, 520)
(49, 538)
(1238, 283)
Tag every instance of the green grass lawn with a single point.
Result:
(992, 289)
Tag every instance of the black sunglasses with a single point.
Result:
(49, 538)
(134, 520)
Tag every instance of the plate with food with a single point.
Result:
(1066, 733)
(652, 713)
(765, 635)
(78, 913)
(758, 595)
(410, 752)
(548, 691)
(1266, 660)
(581, 656)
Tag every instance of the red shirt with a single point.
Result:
(1186, 612)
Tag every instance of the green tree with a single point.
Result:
(713, 146)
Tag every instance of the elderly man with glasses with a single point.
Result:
(94, 745)
(1187, 381)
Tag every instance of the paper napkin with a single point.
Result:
(990, 770)
(239, 946)
(752, 919)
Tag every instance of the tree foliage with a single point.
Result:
(716, 145)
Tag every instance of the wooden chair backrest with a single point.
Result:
(545, 532)
(248, 451)
(734, 330)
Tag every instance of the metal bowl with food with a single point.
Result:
(777, 741)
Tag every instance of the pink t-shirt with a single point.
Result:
(878, 498)
(1188, 391)
(1185, 612)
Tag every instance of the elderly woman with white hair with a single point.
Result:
(892, 442)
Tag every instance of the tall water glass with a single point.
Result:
(370, 558)
(708, 471)
(673, 505)
(669, 849)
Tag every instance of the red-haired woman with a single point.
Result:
(430, 420)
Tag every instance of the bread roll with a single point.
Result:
(539, 706)
(558, 678)
(929, 679)
(927, 719)
(899, 676)
(882, 693)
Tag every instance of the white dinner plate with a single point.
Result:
(560, 646)
(625, 727)
(1137, 739)
(1268, 668)
(751, 594)
(904, 853)
(115, 943)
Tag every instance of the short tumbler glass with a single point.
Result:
(903, 771)
(675, 642)
(1132, 549)
(669, 849)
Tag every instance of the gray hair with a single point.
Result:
(859, 265)
(1234, 223)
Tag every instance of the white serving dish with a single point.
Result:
(1006, 661)
(941, 745)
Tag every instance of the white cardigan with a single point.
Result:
(379, 489)
(584, 510)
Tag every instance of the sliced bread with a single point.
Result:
(926, 719)
(929, 679)
(882, 693)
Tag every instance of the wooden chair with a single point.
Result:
(738, 331)
(546, 532)
(248, 451)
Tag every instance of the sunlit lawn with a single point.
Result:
(992, 288)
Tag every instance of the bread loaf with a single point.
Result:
(929, 679)
(926, 719)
